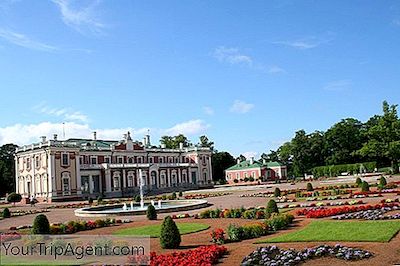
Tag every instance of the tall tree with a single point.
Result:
(7, 168)
(205, 142)
(383, 142)
(342, 140)
(220, 162)
(172, 142)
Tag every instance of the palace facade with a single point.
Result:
(55, 170)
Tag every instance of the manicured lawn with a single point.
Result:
(357, 231)
(155, 229)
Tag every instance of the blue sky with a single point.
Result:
(247, 74)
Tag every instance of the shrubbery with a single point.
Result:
(170, 237)
(14, 197)
(151, 212)
(272, 207)
(137, 198)
(277, 192)
(382, 182)
(310, 187)
(364, 186)
(6, 213)
(359, 182)
(336, 170)
(279, 222)
(41, 225)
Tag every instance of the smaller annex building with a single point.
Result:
(251, 170)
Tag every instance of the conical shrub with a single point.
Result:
(170, 236)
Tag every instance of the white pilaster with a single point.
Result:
(78, 175)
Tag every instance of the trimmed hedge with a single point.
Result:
(151, 213)
(336, 170)
(272, 207)
(41, 225)
(6, 213)
(170, 236)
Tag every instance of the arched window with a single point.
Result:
(160, 159)
(66, 183)
(130, 160)
(37, 184)
(116, 181)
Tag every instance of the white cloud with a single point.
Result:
(338, 85)
(22, 134)
(307, 42)
(190, 127)
(83, 19)
(275, 70)
(232, 56)
(208, 110)
(65, 113)
(241, 107)
(249, 154)
(24, 41)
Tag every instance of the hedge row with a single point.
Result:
(335, 170)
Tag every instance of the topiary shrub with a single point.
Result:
(151, 212)
(99, 199)
(382, 182)
(310, 187)
(272, 207)
(246, 179)
(358, 182)
(137, 198)
(364, 186)
(251, 179)
(180, 194)
(277, 192)
(173, 195)
(90, 201)
(41, 225)
(6, 213)
(170, 236)
(14, 197)
(235, 181)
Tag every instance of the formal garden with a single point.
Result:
(308, 224)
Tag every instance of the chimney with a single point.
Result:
(145, 142)
(55, 137)
(251, 160)
(43, 139)
(238, 161)
(181, 145)
(94, 135)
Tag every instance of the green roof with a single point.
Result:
(256, 164)
(245, 165)
(93, 143)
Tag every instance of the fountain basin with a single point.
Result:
(118, 210)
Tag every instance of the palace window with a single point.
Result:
(139, 159)
(151, 159)
(130, 181)
(107, 159)
(120, 159)
(66, 183)
(64, 159)
(160, 159)
(28, 163)
(93, 160)
(37, 161)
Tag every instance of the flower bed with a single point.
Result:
(4, 237)
(377, 214)
(251, 213)
(319, 204)
(17, 213)
(206, 195)
(204, 255)
(76, 226)
(272, 255)
(325, 212)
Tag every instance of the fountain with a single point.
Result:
(141, 189)
(122, 209)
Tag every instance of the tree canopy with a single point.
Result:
(7, 168)
(348, 141)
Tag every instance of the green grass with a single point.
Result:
(357, 231)
(154, 230)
